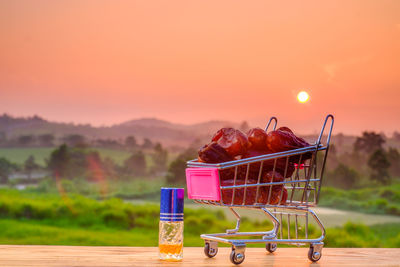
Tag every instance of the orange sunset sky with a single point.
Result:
(104, 62)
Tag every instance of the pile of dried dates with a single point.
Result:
(230, 144)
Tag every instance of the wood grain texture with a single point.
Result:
(193, 257)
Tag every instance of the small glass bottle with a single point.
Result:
(170, 239)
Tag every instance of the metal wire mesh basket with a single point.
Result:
(282, 185)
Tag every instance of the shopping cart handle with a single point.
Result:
(328, 139)
(269, 122)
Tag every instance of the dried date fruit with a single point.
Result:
(213, 153)
(298, 139)
(284, 139)
(233, 141)
(227, 174)
(278, 195)
(278, 141)
(254, 167)
(298, 159)
(272, 176)
(251, 193)
(258, 139)
(268, 167)
(281, 165)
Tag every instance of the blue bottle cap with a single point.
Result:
(171, 204)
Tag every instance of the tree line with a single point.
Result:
(75, 140)
(69, 162)
(368, 163)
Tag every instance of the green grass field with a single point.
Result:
(30, 232)
(330, 217)
(32, 218)
(139, 188)
(19, 155)
(373, 199)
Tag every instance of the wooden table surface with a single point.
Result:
(193, 257)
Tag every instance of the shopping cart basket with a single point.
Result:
(289, 209)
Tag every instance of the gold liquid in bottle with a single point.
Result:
(171, 249)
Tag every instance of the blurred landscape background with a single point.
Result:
(103, 102)
(83, 185)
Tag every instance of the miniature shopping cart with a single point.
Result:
(291, 216)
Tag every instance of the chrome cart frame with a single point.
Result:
(302, 187)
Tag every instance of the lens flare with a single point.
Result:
(303, 97)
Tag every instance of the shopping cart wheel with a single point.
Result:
(236, 257)
(271, 247)
(211, 249)
(314, 253)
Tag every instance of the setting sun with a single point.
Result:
(303, 97)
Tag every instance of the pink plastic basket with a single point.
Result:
(203, 183)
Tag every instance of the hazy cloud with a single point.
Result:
(331, 69)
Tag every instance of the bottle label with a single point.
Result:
(171, 217)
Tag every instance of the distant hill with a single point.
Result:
(168, 133)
